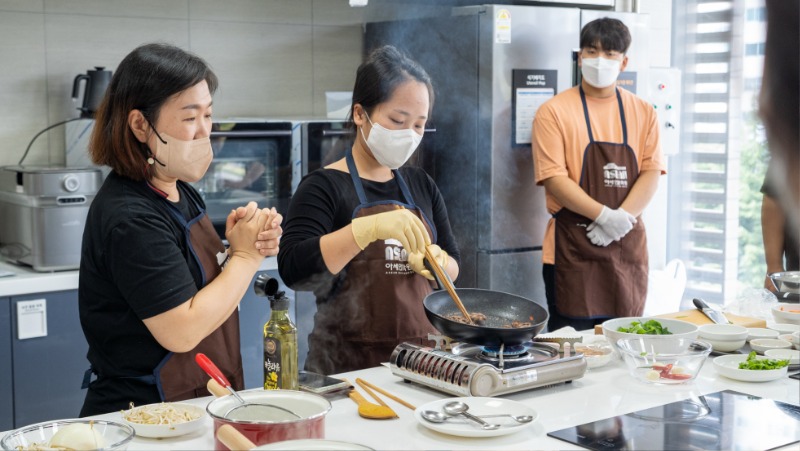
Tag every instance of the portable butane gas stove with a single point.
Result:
(474, 370)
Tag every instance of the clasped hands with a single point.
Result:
(610, 225)
(403, 226)
(254, 231)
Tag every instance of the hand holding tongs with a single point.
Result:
(444, 279)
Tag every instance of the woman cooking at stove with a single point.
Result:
(356, 229)
(151, 290)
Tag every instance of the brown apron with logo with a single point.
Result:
(593, 281)
(178, 377)
(377, 302)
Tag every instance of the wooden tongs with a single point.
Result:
(444, 279)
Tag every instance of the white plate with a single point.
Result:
(167, 430)
(784, 328)
(312, 445)
(728, 366)
(464, 427)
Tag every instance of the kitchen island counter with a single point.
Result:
(603, 392)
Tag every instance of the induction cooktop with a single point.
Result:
(725, 420)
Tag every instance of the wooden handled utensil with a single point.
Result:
(444, 279)
(366, 386)
(233, 439)
(370, 410)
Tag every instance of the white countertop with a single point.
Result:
(603, 392)
(27, 281)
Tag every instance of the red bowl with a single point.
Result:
(269, 425)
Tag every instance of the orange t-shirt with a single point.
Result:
(560, 138)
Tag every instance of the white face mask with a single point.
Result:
(392, 148)
(600, 72)
(184, 160)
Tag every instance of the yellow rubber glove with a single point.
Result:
(401, 225)
(417, 261)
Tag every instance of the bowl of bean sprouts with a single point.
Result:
(166, 419)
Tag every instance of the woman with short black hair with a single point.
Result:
(151, 291)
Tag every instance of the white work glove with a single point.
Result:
(597, 235)
(416, 261)
(401, 224)
(615, 223)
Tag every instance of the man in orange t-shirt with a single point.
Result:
(596, 150)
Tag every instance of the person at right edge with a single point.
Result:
(596, 150)
(781, 246)
(780, 113)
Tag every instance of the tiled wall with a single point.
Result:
(273, 57)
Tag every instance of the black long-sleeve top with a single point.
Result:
(325, 201)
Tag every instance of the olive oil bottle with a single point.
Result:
(280, 346)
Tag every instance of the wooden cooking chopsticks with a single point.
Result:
(444, 279)
(367, 386)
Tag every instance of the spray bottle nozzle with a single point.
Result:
(265, 285)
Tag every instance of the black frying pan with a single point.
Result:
(500, 310)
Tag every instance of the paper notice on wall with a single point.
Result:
(502, 27)
(528, 102)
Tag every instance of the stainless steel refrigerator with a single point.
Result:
(492, 66)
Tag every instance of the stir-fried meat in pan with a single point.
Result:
(479, 319)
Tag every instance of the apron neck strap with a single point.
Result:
(621, 115)
(362, 195)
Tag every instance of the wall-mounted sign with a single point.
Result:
(627, 80)
(531, 88)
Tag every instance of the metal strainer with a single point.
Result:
(245, 411)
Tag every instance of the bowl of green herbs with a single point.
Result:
(751, 367)
(662, 333)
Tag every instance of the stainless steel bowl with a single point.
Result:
(787, 281)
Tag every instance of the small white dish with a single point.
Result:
(784, 328)
(760, 332)
(794, 339)
(728, 366)
(784, 354)
(167, 430)
(762, 345)
(723, 332)
(464, 427)
(724, 346)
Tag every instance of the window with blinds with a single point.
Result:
(716, 50)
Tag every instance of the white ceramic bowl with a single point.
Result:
(791, 338)
(723, 337)
(723, 332)
(791, 355)
(679, 329)
(762, 345)
(118, 436)
(784, 312)
(189, 418)
(728, 366)
(675, 361)
(725, 346)
(760, 332)
(784, 328)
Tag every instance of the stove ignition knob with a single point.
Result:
(484, 382)
(71, 183)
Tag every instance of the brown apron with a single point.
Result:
(377, 302)
(177, 376)
(593, 281)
